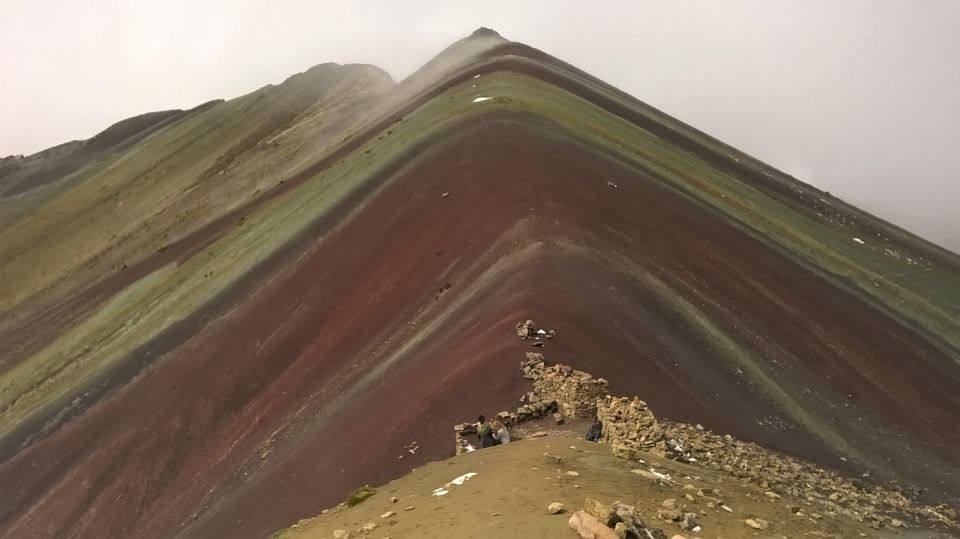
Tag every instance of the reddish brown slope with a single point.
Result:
(309, 370)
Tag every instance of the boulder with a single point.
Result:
(601, 511)
(556, 508)
(526, 330)
(689, 521)
(628, 522)
(672, 515)
(588, 527)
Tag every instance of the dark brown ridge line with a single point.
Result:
(779, 185)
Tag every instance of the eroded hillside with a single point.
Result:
(225, 319)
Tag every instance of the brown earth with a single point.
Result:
(515, 483)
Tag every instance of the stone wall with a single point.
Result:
(629, 427)
(465, 433)
(575, 392)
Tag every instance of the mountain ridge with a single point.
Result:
(351, 253)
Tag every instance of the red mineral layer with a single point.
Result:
(309, 381)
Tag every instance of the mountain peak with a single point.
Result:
(483, 31)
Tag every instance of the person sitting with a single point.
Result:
(500, 432)
(485, 433)
(596, 431)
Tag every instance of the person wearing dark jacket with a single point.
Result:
(596, 431)
(485, 433)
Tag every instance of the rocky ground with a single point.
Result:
(516, 485)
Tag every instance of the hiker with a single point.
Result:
(485, 433)
(500, 432)
(596, 431)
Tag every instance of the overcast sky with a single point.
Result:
(859, 98)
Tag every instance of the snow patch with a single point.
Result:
(858, 240)
(481, 99)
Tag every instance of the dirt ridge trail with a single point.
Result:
(515, 484)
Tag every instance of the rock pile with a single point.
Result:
(616, 520)
(575, 392)
(529, 330)
(526, 330)
(777, 474)
(629, 427)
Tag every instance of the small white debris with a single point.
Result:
(441, 492)
(462, 478)
(481, 99)
(477, 76)
(659, 475)
(858, 240)
(470, 448)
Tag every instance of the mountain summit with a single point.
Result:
(218, 321)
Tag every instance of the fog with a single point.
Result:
(858, 98)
